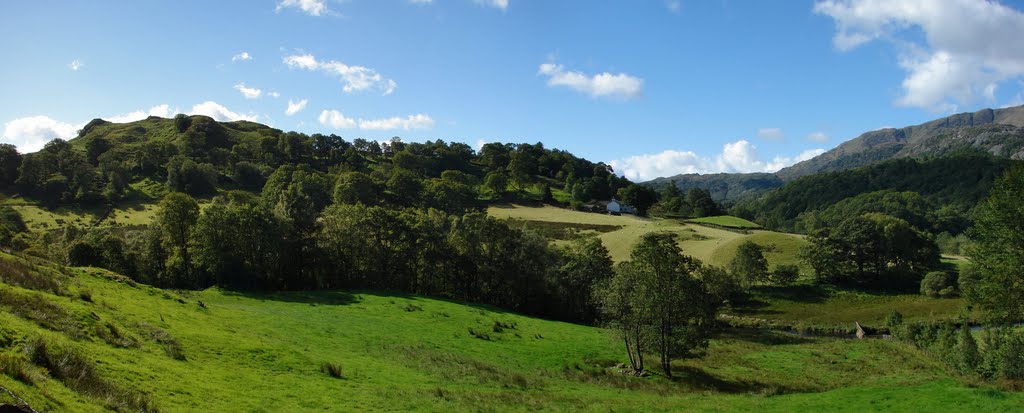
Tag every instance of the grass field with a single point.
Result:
(252, 352)
(726, 221)
(804, 304)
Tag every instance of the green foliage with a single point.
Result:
(657, 302)
(175, 218)
(187, 176)
(939, 284)
(640, 197)
(10, 162)
(785, 274)
(749, 264)
(356, 187)
(864, 249)
(958, 181)
(997, 256)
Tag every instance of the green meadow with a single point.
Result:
(215, 350)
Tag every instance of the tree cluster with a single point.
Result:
(871, 248)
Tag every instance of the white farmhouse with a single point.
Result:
(615, 207)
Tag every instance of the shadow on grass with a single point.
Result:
(699, 379)
(762, 336)
(331, 297)
(802, 293)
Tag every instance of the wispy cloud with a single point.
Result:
(353, 78)
(248, 92)
(601, 85)
(498, 4)
(241, 57)
(817, 137)
(75, 65)
(310, 7)
(295, 107)
(772, 134)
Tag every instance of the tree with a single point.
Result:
(521, 168)
(585, 263)
(701, 204)
(749, 264)
(176, 215)
(619, 303)
(10, 161)
(938, 284)
(640, 197)
(185, 175)
(182, 122)
(863, 249)
(404, 187)
(297, 194)
(94, 148)
(448, 196)
(356, 187)
(239, 245)
(665, 304)
(497, 183)
(997, 255)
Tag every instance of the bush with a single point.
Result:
(938, 284)
(785, 274)
(332, 369)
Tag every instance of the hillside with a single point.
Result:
(999, 132)
(723, 186)
(937, 193)
(996, 131)
(140, 348)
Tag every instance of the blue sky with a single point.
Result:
(652, 87)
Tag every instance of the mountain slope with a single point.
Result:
(723, 186)
(996, 131)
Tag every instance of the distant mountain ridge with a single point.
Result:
(999, 132)
(996, 131)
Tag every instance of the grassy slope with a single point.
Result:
(801, 304)
(263, 352)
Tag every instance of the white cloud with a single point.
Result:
(774, 134)
(310, 7)
(965, 49)
(479, 144)
(418, 121)
(274, 94)
(295, 107)
(421, 1)
(353, 78)
(75, 65)
(219, 112)
(740, 156)
(817, 136)
(498, 4)
(29, 134)
(336, 120)
(605, 84)
(241, 57)
(674, 6)
(248, 92)
(163, 111)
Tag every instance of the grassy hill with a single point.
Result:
(218, 351)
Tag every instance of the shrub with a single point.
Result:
(967, 351)
(17, 367)
(332, 369)
(939, 284)
(479, 334)
(70, 367)
(785, 274)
